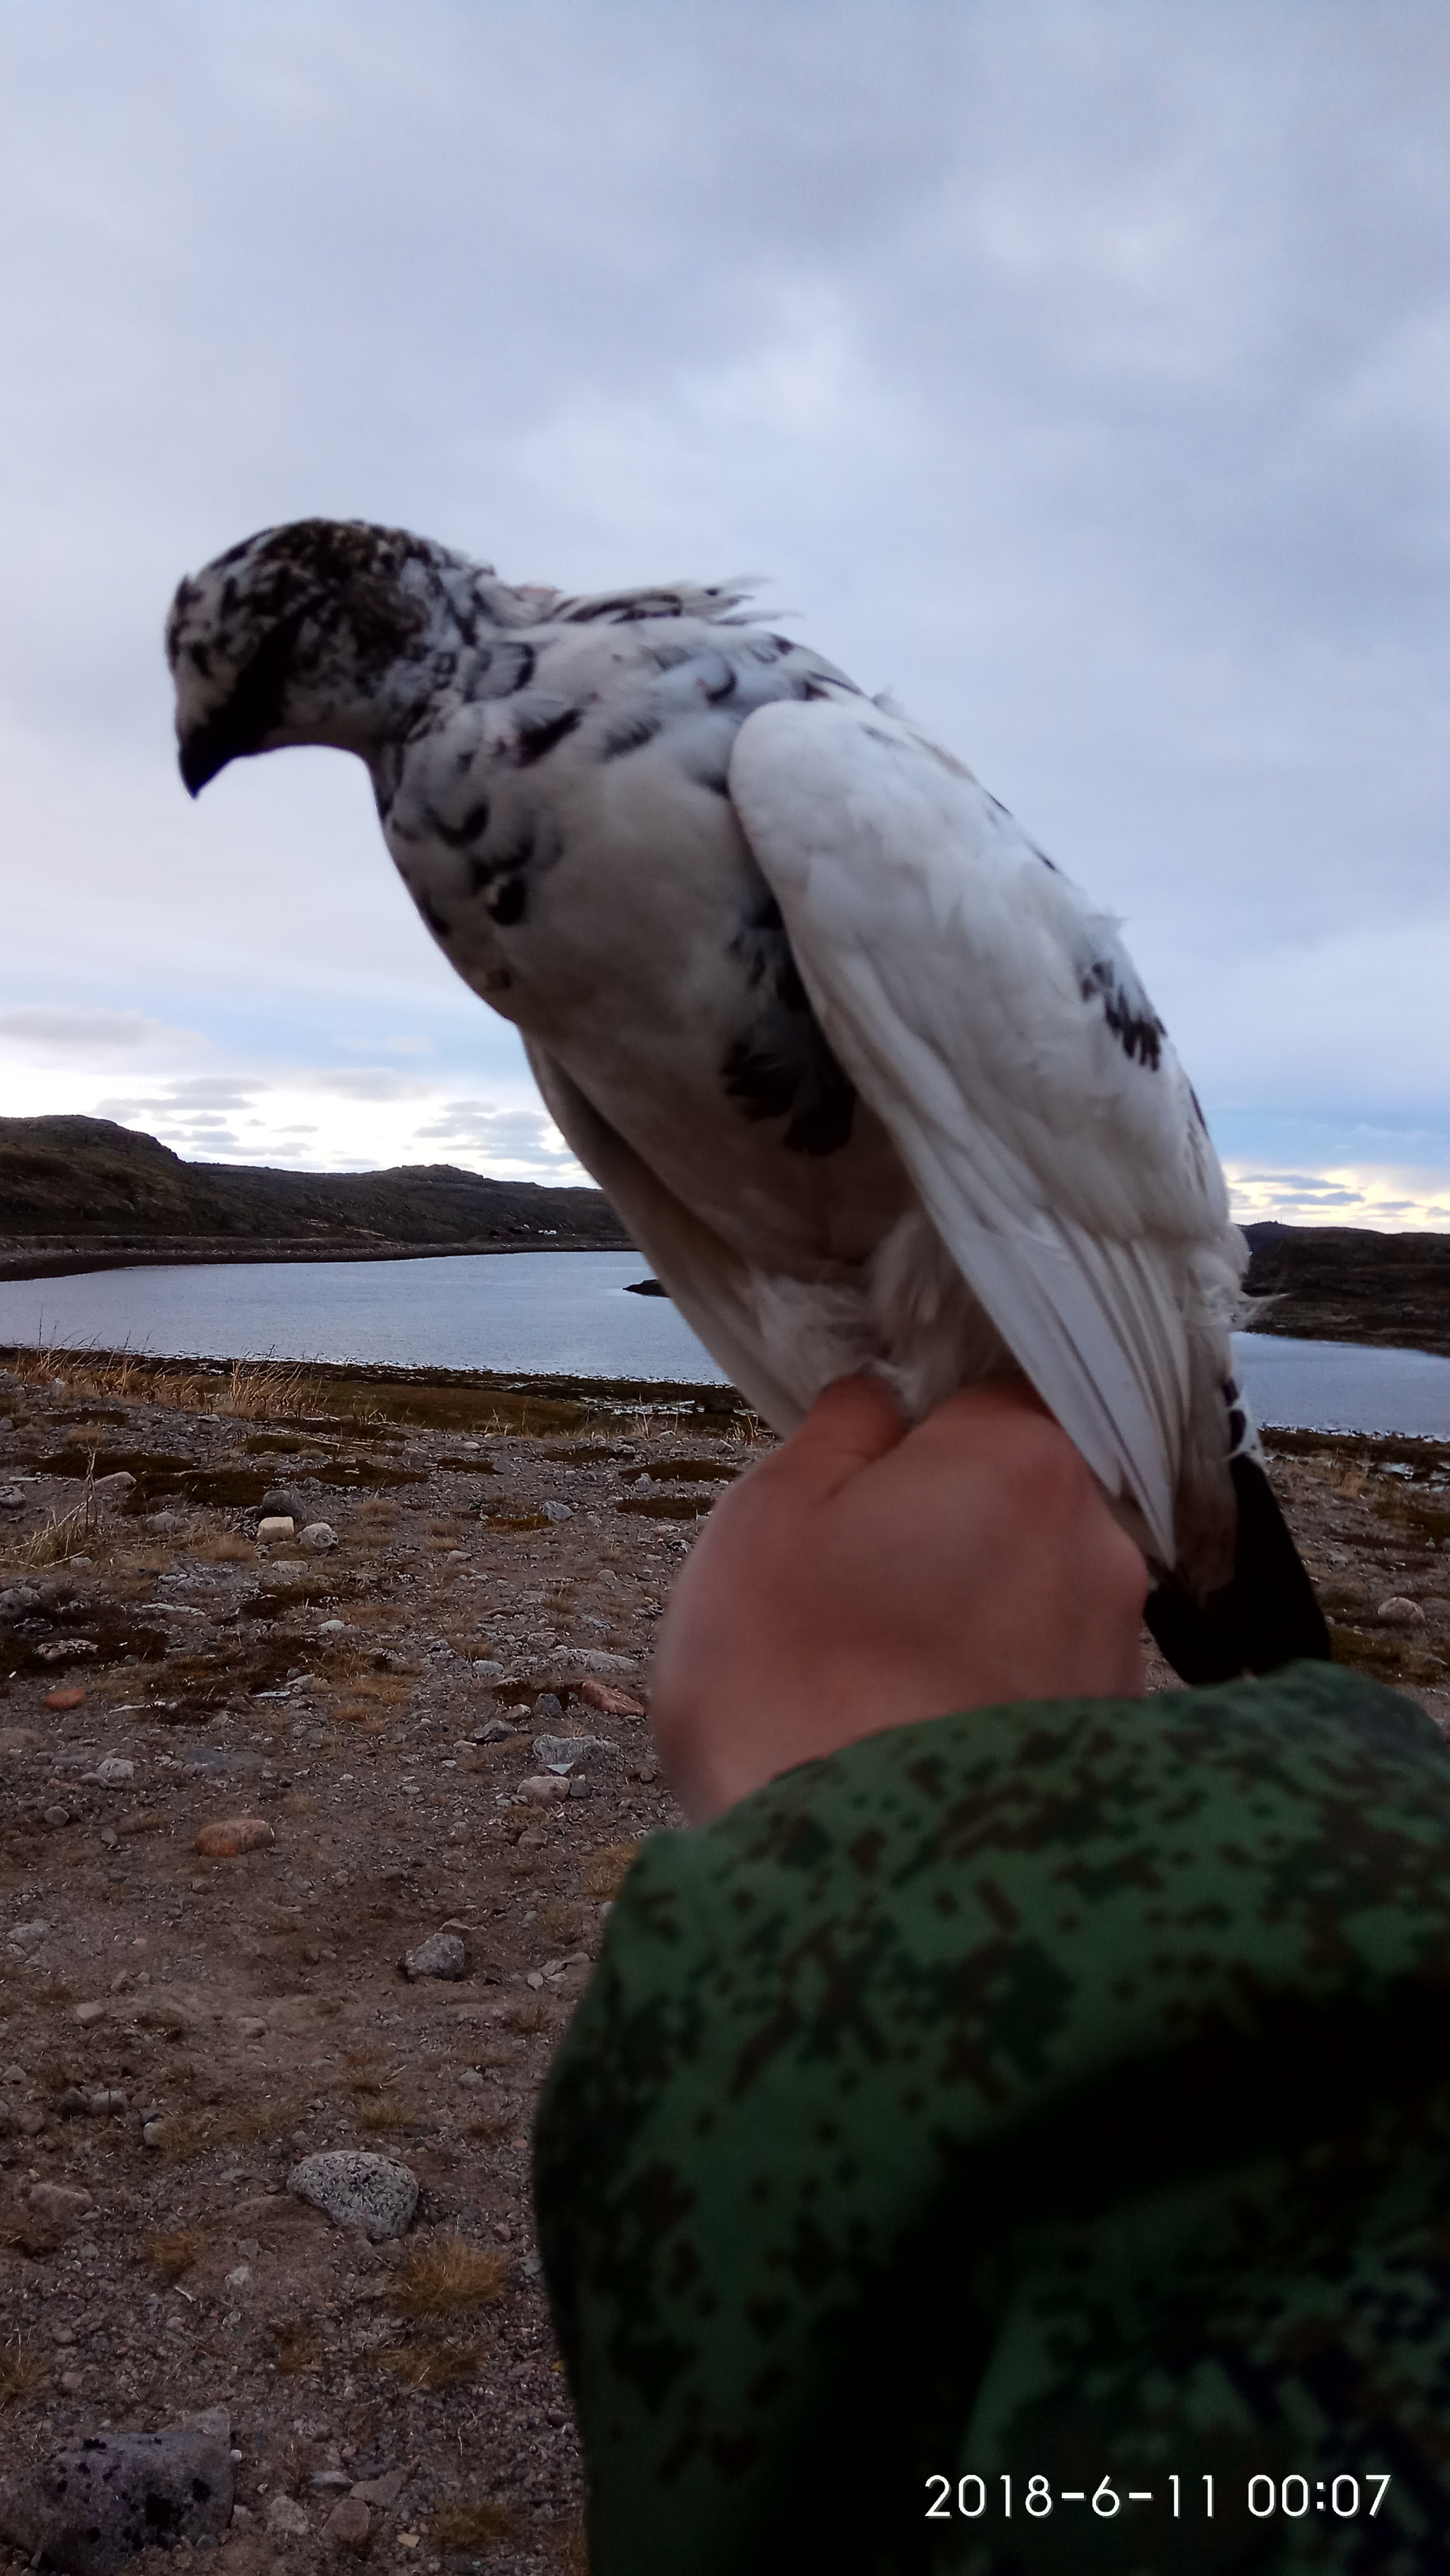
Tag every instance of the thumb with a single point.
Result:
(856, 1422)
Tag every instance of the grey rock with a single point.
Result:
(566, 1752)
(318, 1536)
(557, 1511)
(26, 1935)
(487, 1670)
(96, 2504)
(219, 1758)
(19, 1598)
(358, 2190)
(284, 1503)
(547, 1707)
(496, 1731)
(286, 2518)
(440, 1956)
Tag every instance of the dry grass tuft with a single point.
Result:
(379, 2116)
(296, 2345)
(490, 2125)
(175, 2252)
(561, 1920)
(471, 2526)
(298, 1802)
(22, 2374)
(68, 1534)
(223, 1548)
(439, 2279)
(529, 2017)
(605, 1871)
(431, 2365)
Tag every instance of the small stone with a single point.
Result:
(349, 2525)
(557, 1511)
(113, 1487)
(332, 1628)
(28, 1936)
(497, 1731)
(284, 1502)
(60, 2204)
(100, 2502)
(55, 1817)
(286, 2519)
(72, 2104)
(543, 1787)
(233, 1834)
(383, 2491)
(319, 1536)
(1402, 1613)
(566, 1752)
(85, 2014)
(19, 1598)
(63, 1699)
(153, 2133)
(358, 2190)
(115, 1771)
(548, 1709)
(610, 1703)
(107, 2104)
(442, 1955)
(276, 1526)
(241, 2278)
(250, 2027)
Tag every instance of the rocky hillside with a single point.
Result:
(87, 1188)
(1340, 1283)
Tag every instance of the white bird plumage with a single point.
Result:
(870, 1081)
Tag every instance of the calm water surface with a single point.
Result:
(566, 1313)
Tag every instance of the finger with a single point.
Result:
(855, 1422)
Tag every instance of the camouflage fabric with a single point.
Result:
(1054, 2092)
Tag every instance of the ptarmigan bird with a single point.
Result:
(867, 1078)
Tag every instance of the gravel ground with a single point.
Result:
(177, 2031)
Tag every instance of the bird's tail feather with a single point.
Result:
(1264, 1616)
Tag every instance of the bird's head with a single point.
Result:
(327, 630)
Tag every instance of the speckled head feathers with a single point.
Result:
(322, 619)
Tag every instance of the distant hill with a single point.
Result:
(85, 1193)
(1341, 1283)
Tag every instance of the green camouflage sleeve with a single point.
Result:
(1041, 2097)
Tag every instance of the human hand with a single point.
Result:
(867, 1575)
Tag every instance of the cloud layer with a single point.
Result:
(1082, 374)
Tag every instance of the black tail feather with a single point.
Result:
(1264, 1617)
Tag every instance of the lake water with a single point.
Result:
(567, 1314)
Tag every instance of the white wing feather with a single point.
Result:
(970, 991)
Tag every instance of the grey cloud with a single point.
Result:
(70, 1032)
(362, 1082)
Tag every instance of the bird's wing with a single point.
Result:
(991, 1019)
(715, 1291)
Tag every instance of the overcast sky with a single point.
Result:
(1080, 372)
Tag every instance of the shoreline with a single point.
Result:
(66, 1262)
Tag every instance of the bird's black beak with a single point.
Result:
(199, 759)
